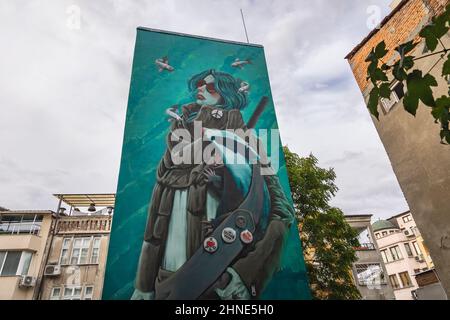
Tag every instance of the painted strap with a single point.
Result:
(204, 268)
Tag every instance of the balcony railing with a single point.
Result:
(88, 224)
(365, 246)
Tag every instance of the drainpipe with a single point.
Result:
(38, 293)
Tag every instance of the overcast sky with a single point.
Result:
(64, 90)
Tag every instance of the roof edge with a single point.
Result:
(199, 37)
(399, 214)
(374, 31)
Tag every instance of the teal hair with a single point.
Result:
(226, 85)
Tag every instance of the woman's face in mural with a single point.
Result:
(206, 92)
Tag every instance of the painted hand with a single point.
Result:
(139, 295)
(209, 173)
(235, 290)
(172, 113)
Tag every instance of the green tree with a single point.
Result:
(419, 85)
(328, 240)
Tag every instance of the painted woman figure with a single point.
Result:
(188, 199)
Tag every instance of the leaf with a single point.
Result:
(442, 105)
(373, 102)
(385, 90)
(434, 31)
(398, 72)
(430, 39)
(445, 135)
(408, 62)
(380, 75)
(385, 67)
(400, 67)
(419, 88)
(380, 50)
(426, 94)
(411, 102)
(446, 66)
(440, 26)
(371, 56)
(406, 47)
(372, 67)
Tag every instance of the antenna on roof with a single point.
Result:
(245, 29)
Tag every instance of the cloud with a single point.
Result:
(64, 90)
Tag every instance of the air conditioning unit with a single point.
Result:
(27, 281)
(52, 270)
(419, 258)
(408, 233)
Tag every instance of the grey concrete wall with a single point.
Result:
(431, 292)
(422, 166)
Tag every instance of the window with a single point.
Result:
(384, 233)
(72, 293)
(85, 244)
(2, 259)
(377, 235)
(385, 256)
(404, 277)
(80, 250)
(396, 94)
(407, 218)
(88, 292)
(391, 231)
(408, 250)
(14, 263)
(395, 251)
(24, 263)
(399, 90)
(95, 250)
(75, 256)
(83, 250)
(416, 248)
(20, 224)
(369, 274)
(64, 258)
(394, 281)
(55, 294)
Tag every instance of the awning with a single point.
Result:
(85, 200)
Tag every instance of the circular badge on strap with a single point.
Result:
(210, 245)
(241, 222)
(217, 113)
(246, 237)
(228, 235)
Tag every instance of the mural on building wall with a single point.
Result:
(203, 207)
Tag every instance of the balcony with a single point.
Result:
(365, 246)
(86, 224)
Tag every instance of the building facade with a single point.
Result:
(420, 162)
(76, 264)
(24, 241)
(369, 271)
(403, 251)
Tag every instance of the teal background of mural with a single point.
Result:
(151, 93)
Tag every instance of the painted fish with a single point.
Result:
(245, 86)
(240, 63)
(163, 64)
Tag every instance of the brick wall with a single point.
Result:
(402, 25)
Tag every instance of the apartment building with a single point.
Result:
(48, 255)
(403, 251)
(75, 266)
(369, 271)
(24, 240)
